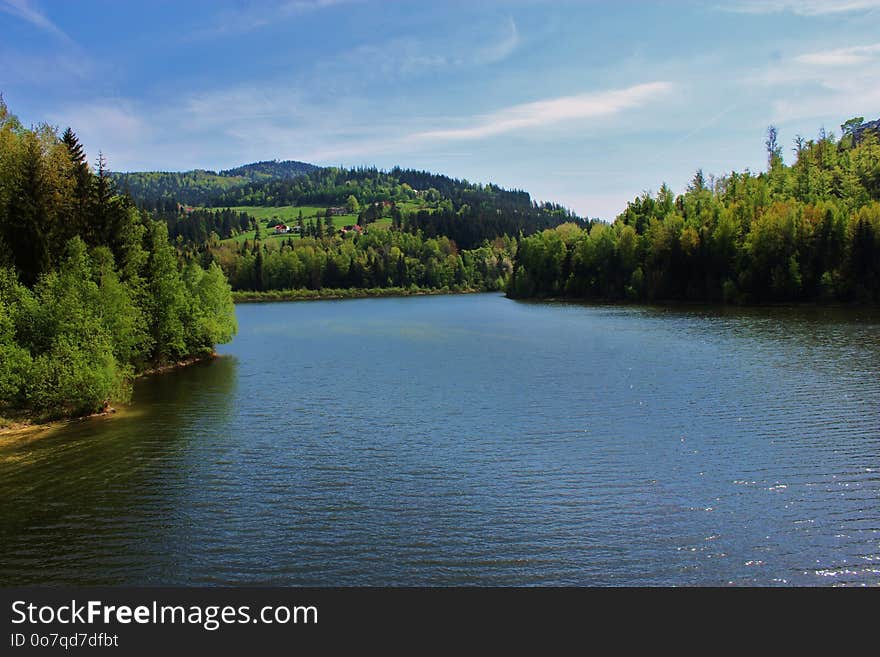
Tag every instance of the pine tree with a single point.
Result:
(100, 229)
(328, 222)
(74, 147)
(258, 268)
(27, 233)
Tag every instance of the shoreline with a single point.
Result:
(328, 294)
(683, 303)
(24, 426)
(186, 362)
(29, 428)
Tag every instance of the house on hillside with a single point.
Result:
(337, 210)
(281, 229)
(357, 229)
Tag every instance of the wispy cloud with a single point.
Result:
(841, 56)
(501, 49)
(845, 99)
(248, 103)
(830, 84)
(484, 43)
(216, 127)
(257, 17)
(35, 70)
(113, 125)
(821, 68)
(550, 112)
(27, 11)
(223, 127)
(801, 7)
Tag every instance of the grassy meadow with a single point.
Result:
(289, 214)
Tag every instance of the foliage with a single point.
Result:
(302, 294)
(91, 290)
(380, 258)
(198, 186)
(805, 232)
(467, 213)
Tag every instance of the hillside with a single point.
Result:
(808, 231)
(271, 169)
(351, 228)
(200, 186)
(435, 204)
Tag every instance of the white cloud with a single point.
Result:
(501, 49)
(242, 104)
(822, 69)
(111, 125)
(256, 17)
(399, 58)
(26, 11)
(553, 111)
(827, 85)
(802, 7)
(835, 102)
(113, 117)
(224, 127)
(841, 56)
(38, 70)
(216, 128)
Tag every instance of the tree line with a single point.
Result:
(199, 186)
(809, 231)
(91, 290)
(380, 258)
(332, 185)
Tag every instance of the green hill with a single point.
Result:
(200, 186)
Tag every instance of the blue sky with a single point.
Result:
(583, 103)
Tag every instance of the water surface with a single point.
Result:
(473, 440)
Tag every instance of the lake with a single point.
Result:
(459, 440)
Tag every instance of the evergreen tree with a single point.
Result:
(26, 230)
(328, 222)
(259, 273)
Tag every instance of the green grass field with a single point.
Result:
(285, 213)
(289, 214)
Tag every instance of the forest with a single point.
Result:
(381, 258)
(92, 292)
(805, 232)
(198, 186)
(422, 231)
(468, 213)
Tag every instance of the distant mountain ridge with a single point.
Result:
(271, 169)
(198, 186)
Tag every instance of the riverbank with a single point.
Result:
(689, 303)
(186, 362)
(23, 424)
(25, 427)
(325, 294)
